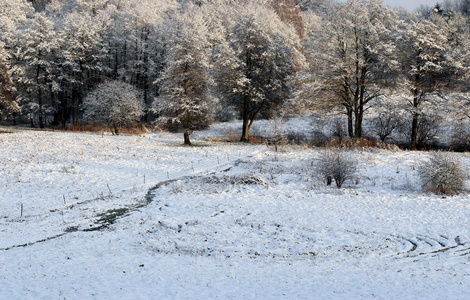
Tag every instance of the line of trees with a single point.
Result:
(193, 62)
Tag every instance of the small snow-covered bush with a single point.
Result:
(114, 104)
(337, 164)
(442, 174)
(279, 135)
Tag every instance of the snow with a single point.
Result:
(142, 217)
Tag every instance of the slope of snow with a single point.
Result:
(141, 217)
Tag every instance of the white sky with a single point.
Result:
(410, 5)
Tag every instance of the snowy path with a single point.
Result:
(95, 191)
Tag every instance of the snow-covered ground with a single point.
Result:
(84, 215)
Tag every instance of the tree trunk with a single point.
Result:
(417, 97)
(246, 119)
(245, 129)
(414, 131)
(186, 138)
(246, 99)
(361, 101)
(359, 115)
(40, 104)
(186, 126)
(358, 127)
(40, 111)
(117, 129)
(186, 129)
(77, 117)
(350, 123)
(116, 64)
(146, 76)
(80, 94)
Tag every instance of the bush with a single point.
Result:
(337, 164)
(442, 174)
(114, 104)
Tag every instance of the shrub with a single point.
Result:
(337, 164)
(442, 174)
(114, 104)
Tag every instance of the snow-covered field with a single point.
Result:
(84, 215)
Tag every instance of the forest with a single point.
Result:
(368, 70)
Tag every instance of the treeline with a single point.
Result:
(192, 62)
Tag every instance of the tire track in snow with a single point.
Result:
(422, 245)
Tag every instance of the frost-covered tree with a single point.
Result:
(318, 6)
(457, 57)
(77, 56)
(255, 64)
(185, 98)
(143, 43)
(423, 60)
(434, 60)
(115, 104)
(13, 16)
(40, 45)
(82, 32)
(460, 106)
(290, 12)
(7, 104)
(351, 56)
